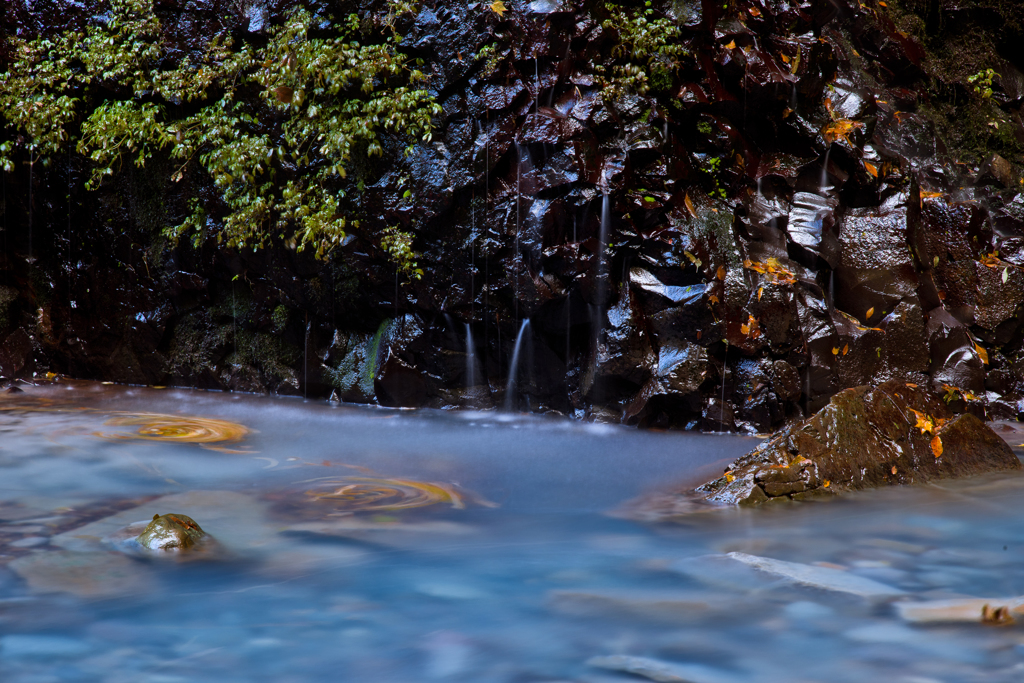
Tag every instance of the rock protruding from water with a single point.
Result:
(171, 532)
(865, 437)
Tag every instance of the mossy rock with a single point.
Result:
(865, 437)
(171, 532)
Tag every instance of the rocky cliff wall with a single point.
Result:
(720, 229)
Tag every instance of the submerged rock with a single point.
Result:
(825, 578)
(171, 532)
(666, 672)
(978, 610)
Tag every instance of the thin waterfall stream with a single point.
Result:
(512, 387)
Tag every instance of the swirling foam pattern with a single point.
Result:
(369, 494)
(176, 428)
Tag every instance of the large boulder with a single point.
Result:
(895, 433)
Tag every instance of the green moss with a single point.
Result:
(962, 58)
(280, 318)
(274, 127)
(646, 55)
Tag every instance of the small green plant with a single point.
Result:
(982, 82)
(714, 167)
(648, 52)
(398, 245)
(491, 56)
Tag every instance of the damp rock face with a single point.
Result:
(895, 433)
(171, 532)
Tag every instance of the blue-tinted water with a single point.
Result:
(528, 581)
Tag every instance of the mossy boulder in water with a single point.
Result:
(895, 433)
(171, 532)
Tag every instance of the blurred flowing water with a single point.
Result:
(515, 574)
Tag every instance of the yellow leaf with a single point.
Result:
(744, 328)
(827, 483)
(982, 354)
(870, 312)
(937, 447)
(731, 45)
(759, 293)
(498, 7)
(835, 350)
(924, 422)
(840, 129)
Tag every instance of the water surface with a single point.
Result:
(516, 574)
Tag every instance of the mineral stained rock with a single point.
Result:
(895, 433)
(171, 532)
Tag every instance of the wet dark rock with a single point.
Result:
(891, 434)
(16, 359)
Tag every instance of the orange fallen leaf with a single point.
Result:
(699, 333)
(982, 354)
(846, 349)
(840, 129)
(911, 385)
(721, 272)
(759, 293)
(871, 168)
(754, 12)
(894, 469)
(731, 45)
(827, 483)
(868, 313)
(689, 205)
(937, 447)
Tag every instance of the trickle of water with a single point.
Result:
(519, 197)
(536, 76)
(602, 270)
(568, 328)
(721, 414)
(470, 358)
(513, 382)
(31, 167)
(823, 182)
